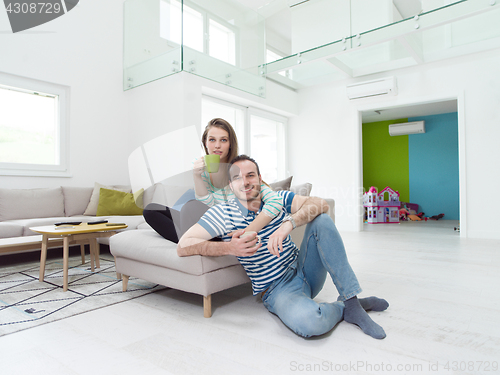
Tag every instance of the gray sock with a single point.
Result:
(373, 304)
(354, 313)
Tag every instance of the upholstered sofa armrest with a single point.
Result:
(331, 211)
(298, 233)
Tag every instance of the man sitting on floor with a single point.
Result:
(287, 277)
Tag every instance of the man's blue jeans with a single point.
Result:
(291, 297)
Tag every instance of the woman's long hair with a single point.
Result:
(233, 140)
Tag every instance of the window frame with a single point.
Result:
(23, 84)
(206, 17)
(226, 24)
(252, 111)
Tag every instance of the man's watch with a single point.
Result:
(290, 219)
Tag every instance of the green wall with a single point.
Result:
(385, 159)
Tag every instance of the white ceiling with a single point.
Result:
(417, 110)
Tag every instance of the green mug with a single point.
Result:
(212, 163)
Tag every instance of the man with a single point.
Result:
(288, 279)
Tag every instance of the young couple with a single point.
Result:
(288, 277)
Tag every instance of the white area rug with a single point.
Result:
(25, 302)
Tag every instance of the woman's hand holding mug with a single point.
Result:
(199, 166)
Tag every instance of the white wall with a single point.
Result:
(82, 50)
(327, 131)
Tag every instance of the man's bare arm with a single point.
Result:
(196, 242)
(304, 210)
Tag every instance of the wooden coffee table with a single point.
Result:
(71, 234)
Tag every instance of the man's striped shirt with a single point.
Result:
(262, 267)
(272, 202)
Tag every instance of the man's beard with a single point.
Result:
(255, 195)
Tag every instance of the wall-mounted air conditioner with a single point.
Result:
(407, 128)
(383, 86)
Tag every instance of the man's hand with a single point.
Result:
(275, 243)
(244, 246)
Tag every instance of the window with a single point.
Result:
(261, 134)
(171, 20)
(267, 142)
(222, 44)
(202, 31)
(32, 136)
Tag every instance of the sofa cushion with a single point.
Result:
(94, 199)
(133, 221)
(114, 202)
(302, 189)
(76, 199)
(27, 203)
(39, 222)
(8, 229)
(147, 246)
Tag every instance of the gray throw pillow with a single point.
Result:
(76, 199)
(282, 185)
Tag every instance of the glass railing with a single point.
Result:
(323, 40)
(216, 39)
(450, 30)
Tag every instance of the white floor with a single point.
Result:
(443, 319)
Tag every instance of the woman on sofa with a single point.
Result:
(219, 138)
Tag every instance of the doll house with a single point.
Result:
(381, 207)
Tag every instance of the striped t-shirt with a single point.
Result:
(272, 201)
(263, 267)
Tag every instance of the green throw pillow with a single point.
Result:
(114, 202)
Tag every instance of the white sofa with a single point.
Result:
(21, 209)
(146, 255)
(139, 251)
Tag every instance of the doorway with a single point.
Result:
(434, 108)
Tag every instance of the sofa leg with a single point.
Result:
(207, 306)
(124, 282)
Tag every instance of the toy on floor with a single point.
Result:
(379, 210)
(437, 217)
(403, 214)
(406, 213)
(414, 217)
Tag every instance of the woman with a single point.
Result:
(218, 138)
